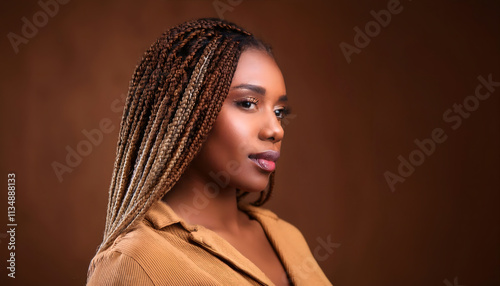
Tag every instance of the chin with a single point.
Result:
(256, 185)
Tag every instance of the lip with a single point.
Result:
(265, 160)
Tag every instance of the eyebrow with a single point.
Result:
(258, 89)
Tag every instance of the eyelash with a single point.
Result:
(252, 100)
(284, 111)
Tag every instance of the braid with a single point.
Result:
(174, 97)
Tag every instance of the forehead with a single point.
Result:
(259, 68)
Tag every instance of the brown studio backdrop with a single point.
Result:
(352, 122)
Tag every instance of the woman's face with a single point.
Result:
(245, 141)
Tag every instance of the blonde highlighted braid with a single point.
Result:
(174, 97)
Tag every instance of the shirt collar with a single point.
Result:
(161, 215)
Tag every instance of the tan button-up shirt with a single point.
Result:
(165, 250)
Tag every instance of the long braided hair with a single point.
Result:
(175, 95)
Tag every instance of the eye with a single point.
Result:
(282, 112)
(248, 103)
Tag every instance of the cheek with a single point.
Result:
(228, 141)
(233, 134)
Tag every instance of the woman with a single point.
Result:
(201, 129)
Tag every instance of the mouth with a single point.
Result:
(265, 160)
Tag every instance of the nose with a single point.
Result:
(271, 129)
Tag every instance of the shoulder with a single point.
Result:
(134, 259)
(112, 267)
(120, 264)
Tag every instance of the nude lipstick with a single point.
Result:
(266, 160)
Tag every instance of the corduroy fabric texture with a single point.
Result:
(164, 250)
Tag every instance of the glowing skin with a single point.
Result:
(249, 122)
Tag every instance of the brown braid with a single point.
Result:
(175, 95)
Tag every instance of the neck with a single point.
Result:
(199, 200)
